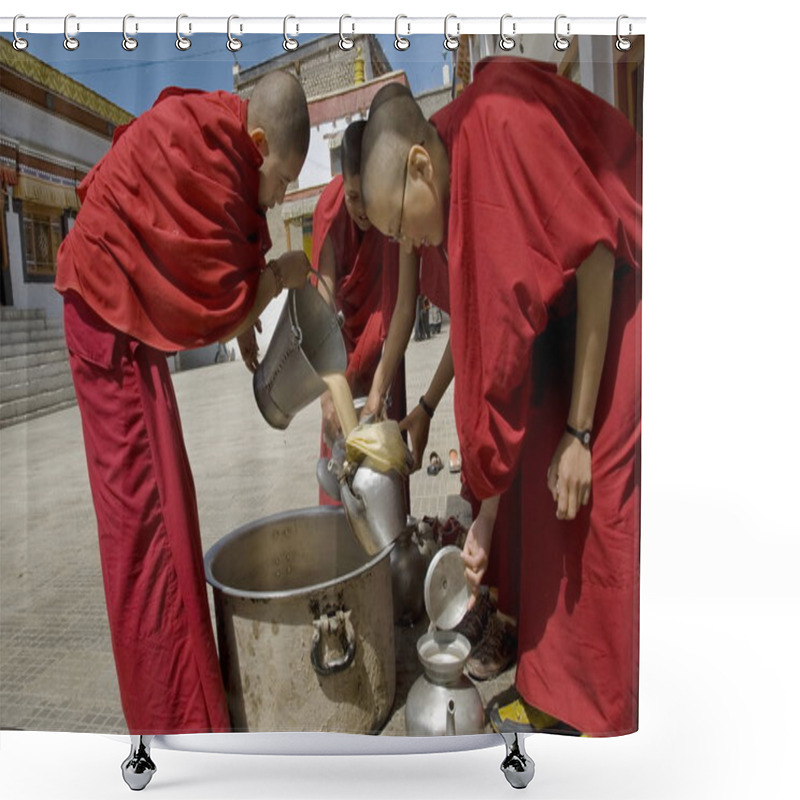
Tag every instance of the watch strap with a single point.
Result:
(425, 407)
(584, 437)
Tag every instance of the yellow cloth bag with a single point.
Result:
(382, 443)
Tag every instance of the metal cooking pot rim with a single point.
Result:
(211, 554)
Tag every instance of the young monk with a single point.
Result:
(532, 186)
(167, 253)
(359, 267)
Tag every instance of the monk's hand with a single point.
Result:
(331, 429)
(475, 553)
(248, 346)
(418, 425)
(373, 407)
(294, 267)
(569, 477)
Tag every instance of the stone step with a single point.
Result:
(33, 360)
(53, 331)
(35, 405)
(7, 423)
(20, 383)
(9, 326)
(12, 313)
(24, 348)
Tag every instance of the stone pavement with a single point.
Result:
(56, 667)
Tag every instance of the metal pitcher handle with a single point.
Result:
(338, 625)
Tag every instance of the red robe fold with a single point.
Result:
(367, 267)
(170, 238)
(542, 171)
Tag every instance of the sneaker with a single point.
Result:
(519, 717)
(496, 651)
(475, 621)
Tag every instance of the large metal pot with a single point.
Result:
(304, 625)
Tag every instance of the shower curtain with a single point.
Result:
(136, 228)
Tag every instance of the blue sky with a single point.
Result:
(134, 79)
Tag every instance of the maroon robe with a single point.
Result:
(170, 239)
(542, 171)
(366, 292)
(165, 254)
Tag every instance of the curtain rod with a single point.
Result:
(403, 25)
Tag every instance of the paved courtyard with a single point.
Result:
(56, 667)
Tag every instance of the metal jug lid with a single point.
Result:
(446, 589)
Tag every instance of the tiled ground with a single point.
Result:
(56, 668)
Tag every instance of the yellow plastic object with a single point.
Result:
(382, 443)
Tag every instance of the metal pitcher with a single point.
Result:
(374, 504)
(307, 344)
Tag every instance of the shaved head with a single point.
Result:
(278, 105)
(351, 148)
(405, 173)
(394, 126)
(353, 135)
(387, 92)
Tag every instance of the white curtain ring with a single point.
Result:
(289, 43)
(622, 43)
(70, 42)
(400, 42)
(344, 42)
(560, 42)
(19, 42)
(182, 43)
(451, 42)
(506, 41)
(233, 44)
(128, 42)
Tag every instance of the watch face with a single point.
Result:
(586, 438)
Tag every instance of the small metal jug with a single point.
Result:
(409, 565)
(444, 701)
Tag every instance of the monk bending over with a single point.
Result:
(531, 185)
(167, 253)
(358, 266)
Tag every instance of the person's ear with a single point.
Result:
(259, 137)
(420, 164)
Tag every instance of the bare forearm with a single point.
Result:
(327, 270)
(401, 325)
(489, 507)
(441, 378)
(595, 291)
(393, 349)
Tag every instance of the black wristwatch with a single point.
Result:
(425, 407)
(584, 437)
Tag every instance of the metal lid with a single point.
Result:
(446, 589)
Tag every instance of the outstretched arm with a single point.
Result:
(289, 270)
(569, 477)
(399, 332)
(327, 286)
(418, 421)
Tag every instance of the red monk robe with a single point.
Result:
(542, 171)
(164, 255)
(366, 292)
